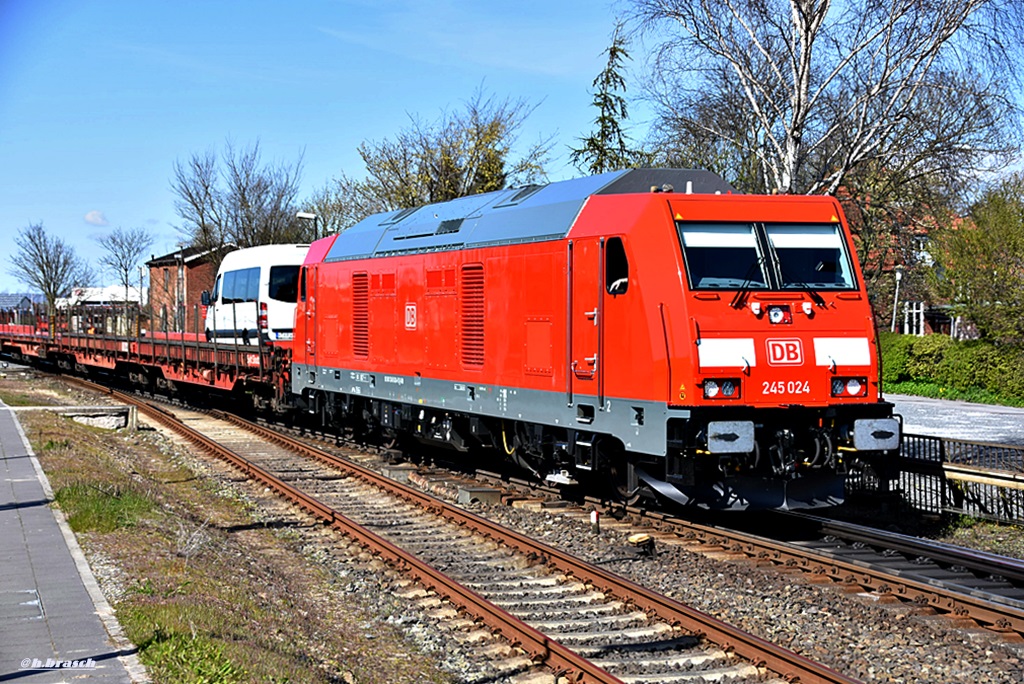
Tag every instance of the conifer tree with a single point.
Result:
(606, 148)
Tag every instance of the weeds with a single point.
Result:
(190, 543)
(188, 657)
(102, 508)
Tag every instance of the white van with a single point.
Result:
(255, 295)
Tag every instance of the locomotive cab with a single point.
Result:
(786, 385)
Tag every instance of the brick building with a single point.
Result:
(176, 284)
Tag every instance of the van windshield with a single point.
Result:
(284, 283)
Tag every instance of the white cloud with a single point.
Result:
(96, 218)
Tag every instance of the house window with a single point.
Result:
(913, 318)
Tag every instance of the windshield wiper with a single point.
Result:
(740, 298)
(818, 299)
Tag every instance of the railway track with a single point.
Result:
(964, 584)
(967, 585)
(572, 618)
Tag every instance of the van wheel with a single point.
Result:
(209, 335)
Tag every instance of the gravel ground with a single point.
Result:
(852, 633)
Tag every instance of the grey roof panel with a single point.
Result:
(507, 216)
(695, 181)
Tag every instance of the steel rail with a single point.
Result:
(978, 561)
(763, 653)
(997, 617)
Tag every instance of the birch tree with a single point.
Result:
(918, 87)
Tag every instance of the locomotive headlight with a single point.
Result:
(727, 388)
(849, 387)
(780, 314)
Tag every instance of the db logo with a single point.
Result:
(785, 352)
(410, 316)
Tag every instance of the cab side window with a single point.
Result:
(616, 267)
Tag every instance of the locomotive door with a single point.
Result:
(306, 334)
(586, 320)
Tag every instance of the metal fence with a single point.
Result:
(940, 475)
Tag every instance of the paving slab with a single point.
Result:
(55, 625)
(960, 419)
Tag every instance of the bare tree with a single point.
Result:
(199, 200)
(259, 201)
(123, 251)
(461, 154)
(48, 264)
(915, 86)
(236, 199)
(342, 202)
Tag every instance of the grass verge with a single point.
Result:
(936, 391)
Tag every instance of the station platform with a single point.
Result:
(960, 419)
(55, 625)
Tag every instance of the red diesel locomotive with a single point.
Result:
(651, 331)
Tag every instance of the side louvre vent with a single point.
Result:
(472, 309)
(360, 315)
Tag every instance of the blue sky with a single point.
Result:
(99, 98)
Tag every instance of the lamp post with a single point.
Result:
(306, 216)
(898, 271)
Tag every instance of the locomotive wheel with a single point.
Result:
(625, 487)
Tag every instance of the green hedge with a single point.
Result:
(936, 365)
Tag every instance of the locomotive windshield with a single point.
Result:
(811, 255)
(722, 255)
(732, 256)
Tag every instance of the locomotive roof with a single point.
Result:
(527, 214)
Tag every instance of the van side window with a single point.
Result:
(229, 287)
(284, 282)
(252, 284)
(216, 289)
(616, 267)
(242, 285)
